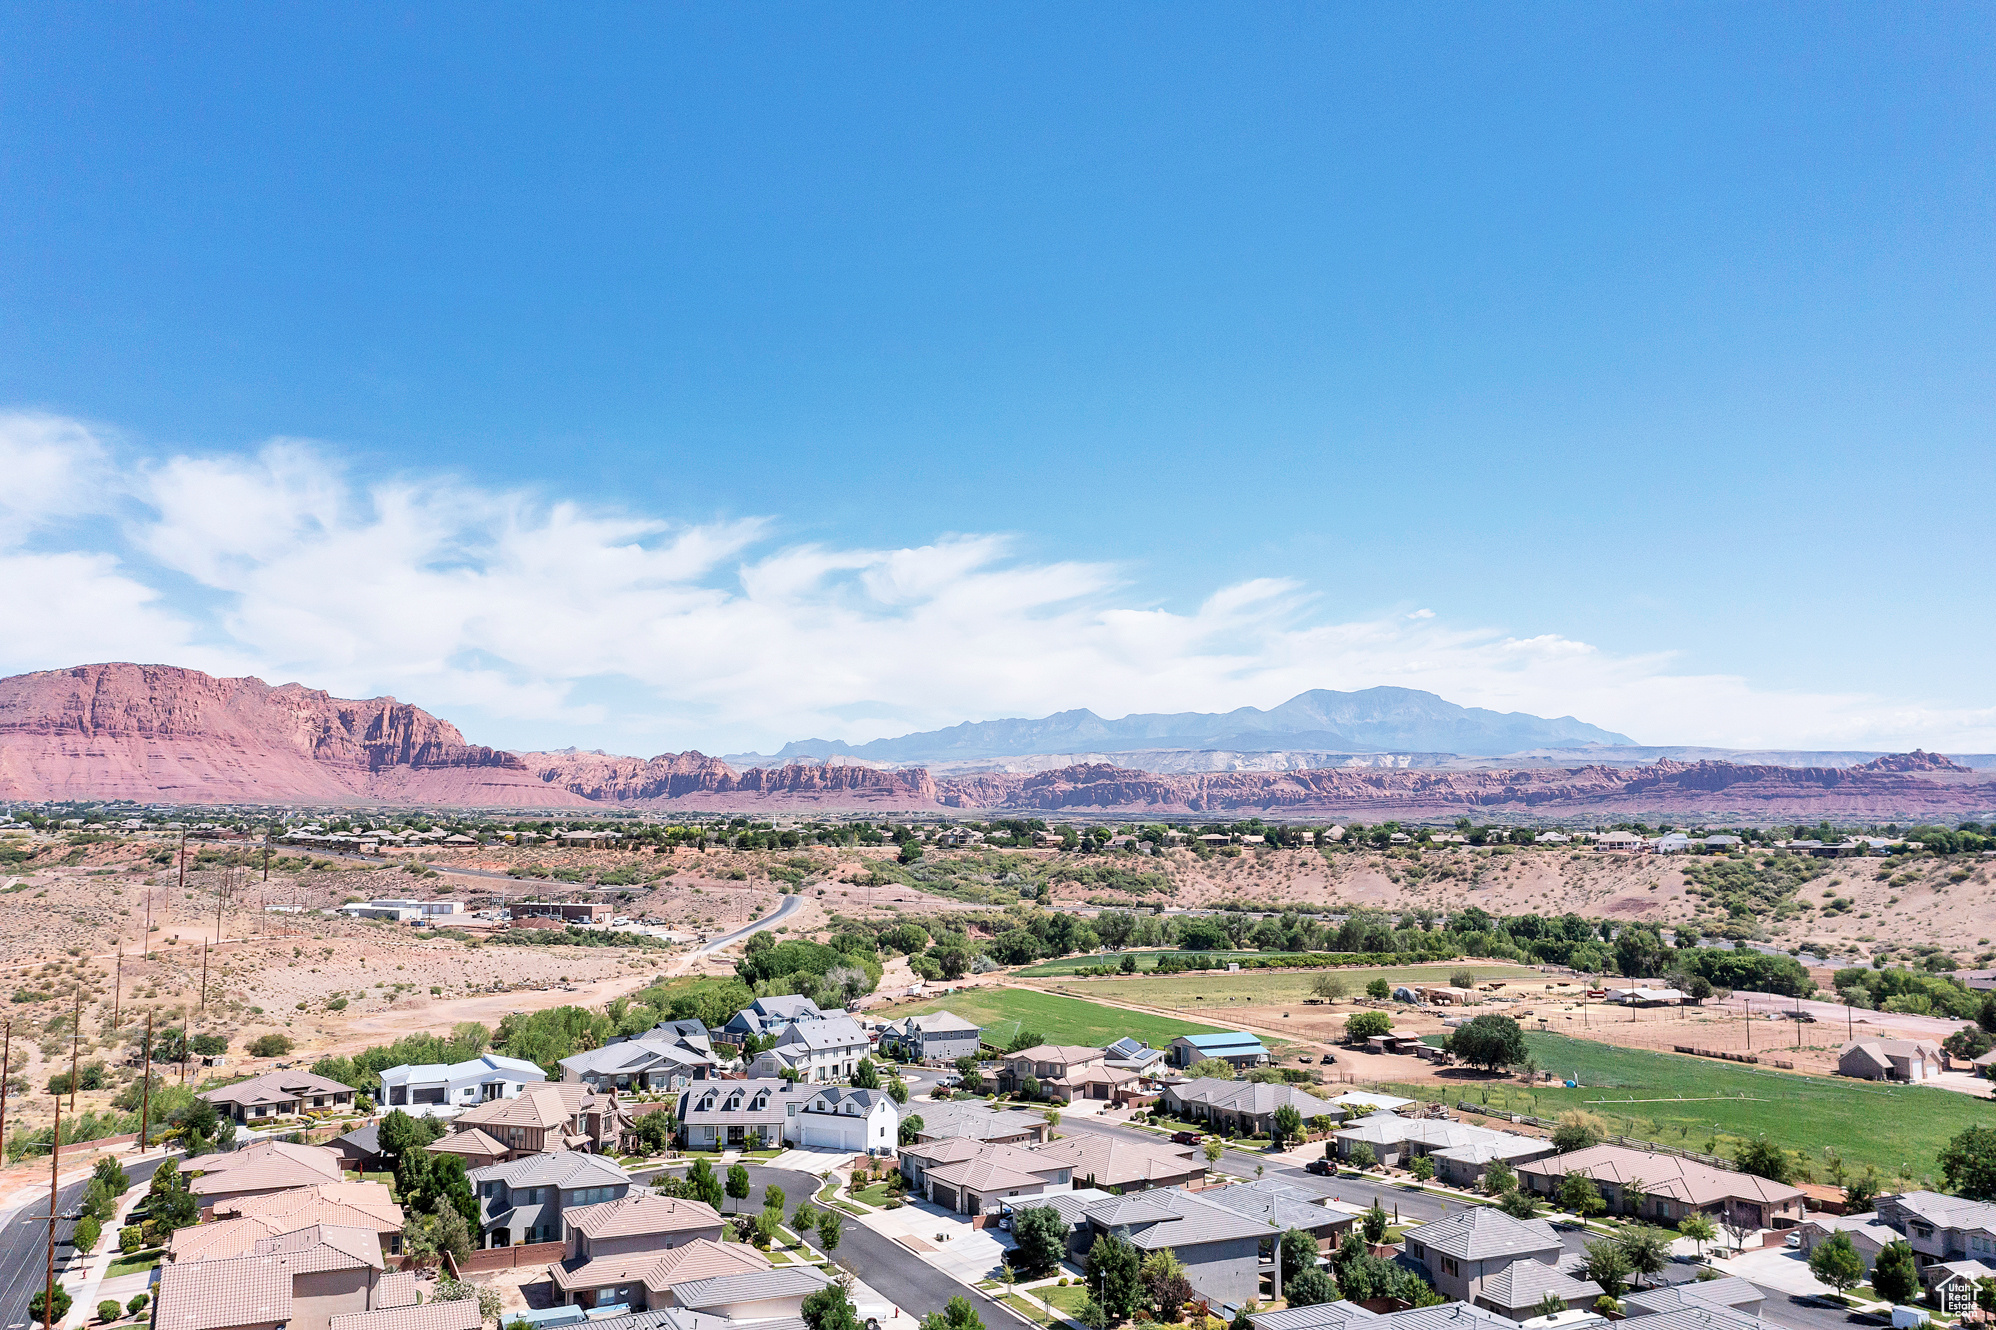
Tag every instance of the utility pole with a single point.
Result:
(145, 1093)
(75, 1046)
(203, 1009)
(1798, 1022)
(55, 1153)
(183, 873)
(6, 1067)
(1748, 1021)
(117, 988)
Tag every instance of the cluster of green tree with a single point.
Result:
(1111, 877)
(1914, 992)
(440, 1209)
(1130, 1284)
(836, 973)
(363, 1070)
(571, 936)
(546, 1037)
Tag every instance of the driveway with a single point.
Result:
(944, 1240)
(1783, 1269)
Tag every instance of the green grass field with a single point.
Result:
(1146, 959)
(1003, 1012)
(1713, 1106)
(1263, 987)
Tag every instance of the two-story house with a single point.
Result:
(835, 1118)
(770, 1015)
(940, 1036)
(1065, 1072)
(477, 1080)
(670, 1056)
(816, 1051)
(752, 1114)
(523, 1200)
(557, 1115)
(1483, 1256)
(612, 1246)
(1941, 1229)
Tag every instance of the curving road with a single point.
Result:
(787, 907)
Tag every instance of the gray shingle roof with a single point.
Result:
(569, 1168)
(1482, 1232)
(1525, 1283)
(782, 1282)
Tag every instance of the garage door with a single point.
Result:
(945, 1197)
(825, 1134)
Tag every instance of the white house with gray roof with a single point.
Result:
(940, 1036)
(477, 1080)
(820, 1051)
(836, 1118)
(669, 1056)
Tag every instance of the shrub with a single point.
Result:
(130, 1238)
(137, 1304)
(269, 1046)
(108, 1309)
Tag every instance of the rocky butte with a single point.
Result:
(156, 733)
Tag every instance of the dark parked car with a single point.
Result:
(1321, 1167)
(1187, 1137)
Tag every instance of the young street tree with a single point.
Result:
(1288, 1125)
(1041, 1238)
(1835, 1262)
(1608, 1266)
(1578, 1195)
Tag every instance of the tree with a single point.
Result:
(1299, 1253)
(738, 1183)
(1288, 1125)
(1373, 1222)
(1215, 1069)
(830, 1228)
(1861, 1191)
(1489, 1042)
(111, 1174)
(654, 1132)
(1422, 1167)
(706, 1188)
(1499, 1178)
(1836, 1262)
(1608, 1266)
(830, 1309)
(1968, 1043)
(1969, 1163)
(911, 1127)
(37, 1304)
(1379, 990)
(1577, 1130)
(897, 1090)
(447, 1230)
(108, 1309)
(137, 1303)
(397, 1134)
(1698, 1227)
(1041, 1236)
(1764, 1159)
(458, 1290)
(1647, 1248)
(269, 1046)
(1213, 1148)
(1164, 1282)
(1112, 1270)
(1309, 1289)
(957, 1314)
(1360, 1156)
(1092, 1314)
(1893, 1273)
(1363, 1025)
(1330, 986)
(866, 1076)
(1551, 1304)
(1518, 1203)
(1578, 1195)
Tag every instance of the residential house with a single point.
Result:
(770, 1015)
(1064, 1072)
(363, 1205)
(1482, 1255)
(280, 1094)
(1241, 1106)
(1226, 1253)
(940, 1036)
(669, 1056)
(1237, 1047)
(1941, 1228)
(1444, 1316)
(523, 1200)
(1097, 1160)
(1668, 1187)
(477, 1080)
(771, 1297)
(1619, 840)
(837, 1118)
(748, 1114)
(474, 1147)
(1132, 1054)
(1285, 1207)
(1891, 1059)
(612, 1245)
(298, 1281)
(360, 1149)
(259, 1169)
(1728, 1292)
(981, 1122)
(556, 1115)
(816, 1051)
(1461, 1151)
(973, 1178)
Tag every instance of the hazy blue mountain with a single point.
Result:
(1373, 720)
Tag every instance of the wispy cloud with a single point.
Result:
(527, 610)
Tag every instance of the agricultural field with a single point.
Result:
(1712, 1106)
(1003, 1012)
(1275, 987)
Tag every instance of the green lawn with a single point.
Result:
(876, 1195)
(1712, 1106)
(1266, 987)
(1068, 1299)
(133, 1264)
(1003, 1012)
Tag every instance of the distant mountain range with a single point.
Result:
(1372, 720)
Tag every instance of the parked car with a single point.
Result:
(1321, 1167)
(1304, 1057)
(1187, 1137)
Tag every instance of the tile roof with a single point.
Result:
(1279, 1204)
(266, 1166)
(1254, 1097)
(1728, 1291)
(941, 1022)
(1662, 1175)
(548, 1106)
(1194, 1221)
(1482, 1232)
(1944, 1211)
(396, 1288)
(459, 1315)
(1058, 1053)
(1524, 1283)
(986, 1174)
(324, 1247)
(1115, 1162)
(220, 1240)
(782, 1282)
(469, 1142)
(568, 1168)
(215, 1295)
(640, 1213)
(976, 1120)
(818, 1036)
(274, 1087)
(703, 1258)
(1318, 1316)
(325, 1202)
(1701, 1316)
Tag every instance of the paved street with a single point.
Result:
(24, 1243)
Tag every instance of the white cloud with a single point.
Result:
(528, 613)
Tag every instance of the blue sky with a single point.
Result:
(1642, 352)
